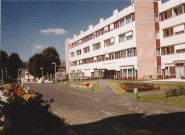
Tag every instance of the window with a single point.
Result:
(106, 29)
(166, 71)
(98, 46)
(158, 51)
(170, 50)
(157, 35)
(88, 60)
(167, 14)
(180, 51)
(123, 54)
(79, 73)
(168, 32)
(122, 38)
(124, 72)
(156, 18)
(107, 56)
(94, 47)
(112, 41)
(72, 54)
(172, 70)
(128, 19)
(72, 73)
(129, 37)
(99, 58)
(87, 38)
(78, 52)
(106, 43)
(130, 72)
(130, 52)
(178, 10)
(111, 27)
(112, 56)
(122, 22)
(178, 29)
(94, 35)
(159, 70)
(98, 33)
(86, 50)
(96, 73)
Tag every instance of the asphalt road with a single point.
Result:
(107, 114)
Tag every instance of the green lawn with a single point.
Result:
(115, 85)
(94, 82)
(161, 99)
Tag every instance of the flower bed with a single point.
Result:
(82, 85)
(129, 87)
(26, 112)
(15, 90)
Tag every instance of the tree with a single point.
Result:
(36, 62)
(14, 62)
(51, 56)
(3, 59)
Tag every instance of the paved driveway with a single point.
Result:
(107, 114)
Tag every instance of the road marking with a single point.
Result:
(85, 96)
(61, 117)
(107, 113)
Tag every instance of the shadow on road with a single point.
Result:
(136, 124)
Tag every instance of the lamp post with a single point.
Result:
(6, 72)
(2, 77)
(55, 68)
(18, 73)
(42, 72)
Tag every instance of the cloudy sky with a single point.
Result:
(27, 27)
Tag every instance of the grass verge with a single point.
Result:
(115, 85)
(95, 84)
(161, 99)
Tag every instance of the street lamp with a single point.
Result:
(42, 72)
(55, 68)
(2, 77)
(6, 72)
(18, 73)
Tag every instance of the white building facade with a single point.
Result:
(129, 44)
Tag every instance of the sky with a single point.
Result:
(28, 27)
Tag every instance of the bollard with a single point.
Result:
(135, 93)
(65, 83)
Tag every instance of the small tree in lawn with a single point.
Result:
(51, 55)
(36, 62)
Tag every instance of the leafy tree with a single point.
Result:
(51, 55)
(3, 59)
(36, 62)
(14, 62)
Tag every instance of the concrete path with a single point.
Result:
(107, 114)
(105, 88)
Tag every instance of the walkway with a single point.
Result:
(105, 113)
(105, 88)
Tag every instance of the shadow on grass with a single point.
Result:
(136, 124)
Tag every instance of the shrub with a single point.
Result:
(27, 112)
(129, 86)
(175, 92)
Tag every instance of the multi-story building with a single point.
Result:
(172, 38)
(144, 40)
